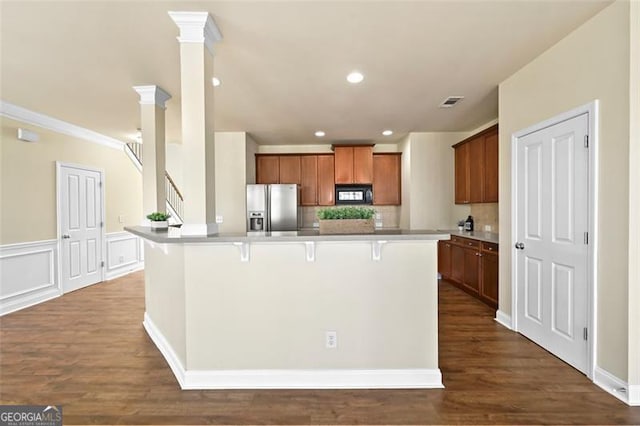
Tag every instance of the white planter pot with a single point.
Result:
(159, 225)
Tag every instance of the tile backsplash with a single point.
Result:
(485, 214)
(389, 215)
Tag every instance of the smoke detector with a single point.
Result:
(451, 101)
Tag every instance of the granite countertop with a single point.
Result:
(173, 235)
(488, 237)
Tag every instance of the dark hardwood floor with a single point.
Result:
(88, 352)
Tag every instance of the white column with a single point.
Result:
(198, 32)
(152, 108)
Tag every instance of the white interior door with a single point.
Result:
(80, 202)
(551, 251)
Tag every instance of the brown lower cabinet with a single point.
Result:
(471, 265)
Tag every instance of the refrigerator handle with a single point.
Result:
(267, 189)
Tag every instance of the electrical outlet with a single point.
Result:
(121, 218)
(331, 339)
(487, 228)
(121, 259)
(219, 219)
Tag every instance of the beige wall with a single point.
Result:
(28, 182)
(174, 163)
(485, 214)
(634, 198)
(231, 174)
(252, 149)
(428, 181)
(590, 63)
(317, 148)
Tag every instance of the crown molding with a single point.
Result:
(152, 95)
(197, 27)
(24, 115)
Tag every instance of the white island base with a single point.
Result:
(247, 313)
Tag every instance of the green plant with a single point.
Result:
(349, 212)
(158, 216)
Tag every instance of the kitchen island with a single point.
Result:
(294, 309)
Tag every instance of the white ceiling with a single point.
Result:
(282, 64)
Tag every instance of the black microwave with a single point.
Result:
(354, 194)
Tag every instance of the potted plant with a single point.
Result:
(159, 220)
(346, 220)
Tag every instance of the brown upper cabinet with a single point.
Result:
(314, 173)
(267, 169)
(326, 183)
(386, 179)
(476, 168)
(353, 164)
(290, 169)
(308, 180)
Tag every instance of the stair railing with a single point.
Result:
(173, 194)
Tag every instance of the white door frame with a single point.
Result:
(591, 109)
(59, 166)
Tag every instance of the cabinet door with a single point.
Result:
(457, 263)
(267, 169)
(489, 282)
(386, 179)
(472, 270)
(362, 164)
(290, 169)
(343, 164)
(444, 259)
(461, 174)
(326, 186)
(476, 169)
(308, 180)
(491, 167)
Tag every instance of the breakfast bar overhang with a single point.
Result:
(255, 311)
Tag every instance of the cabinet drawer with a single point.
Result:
(490, 247)
(466, 242)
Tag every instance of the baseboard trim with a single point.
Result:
(421, 378)
(504, 319)
(634, 395)
(121, 272)
(165, 349)
(611, 384)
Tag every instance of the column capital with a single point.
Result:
(197, 27)
(152, 95)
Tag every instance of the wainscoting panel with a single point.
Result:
(28, 274)
(124, 254)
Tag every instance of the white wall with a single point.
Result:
(590, 63)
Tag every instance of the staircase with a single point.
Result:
(174, 197)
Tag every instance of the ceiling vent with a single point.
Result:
(451, 101)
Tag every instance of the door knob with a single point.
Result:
(520, 246)
(65, 236)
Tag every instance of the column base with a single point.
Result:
(201, 229)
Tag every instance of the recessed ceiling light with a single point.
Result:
(387, 132)
(355, 77)
(319, 133)
(216, 81)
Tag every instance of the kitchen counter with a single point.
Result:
(488, 237)
(173, 235)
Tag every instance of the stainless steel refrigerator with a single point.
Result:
(272, 207)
